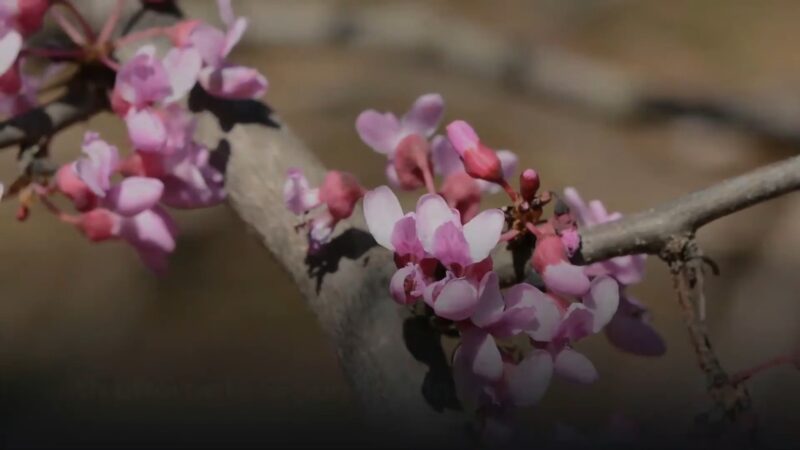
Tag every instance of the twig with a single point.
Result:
(780, 360)
(685, 260)
(651, 230)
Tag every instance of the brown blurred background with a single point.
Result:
(95, 349)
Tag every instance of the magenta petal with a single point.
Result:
(528, 381)
(424, 115)
(432, 212)
(210, 42)
(575, 367)
(134, 195)
(99, 164)
(399, 282)
(450, 247)
(490, 303)
(457, 300)
(481, 353)
(146, 130)
(379, 131)
(445, 158)
(576, 324)
(142, 80)
(567, 279)
(404, 238)
(602, 300)
(233, 82)
(522, 298)
(234, 34)
(297, 194)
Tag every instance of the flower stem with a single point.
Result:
(87, 29)
(110, 24)
(139, 35)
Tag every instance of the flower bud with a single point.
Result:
(68, 183)
(340, 192)
(529, 184)
(31, 14)
(11, 80)
(99, 224)
(463, 193)
(479, 161)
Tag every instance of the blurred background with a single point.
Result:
(95, 350)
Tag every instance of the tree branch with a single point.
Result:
(651, 230)
(346, 286)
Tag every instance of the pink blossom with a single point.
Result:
(338, 193)
(447, 163)
(479, 161)
(217, 76)
(384, 131)
(99, 164)
(558, 273)
(627, 269)
(18, 19)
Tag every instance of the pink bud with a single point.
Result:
(462, 136)
(479, 161)
(11, 80)
(31, 15)
(412, 162)
(99, 224)
(340, 191)
(23, 212)
(68, 183)
(529, 184)
(119, 105)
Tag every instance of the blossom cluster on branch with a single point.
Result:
(117, 197)
(513, 339)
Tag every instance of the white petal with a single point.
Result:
(603, 300)
(529, 380)
(382, 210)
(457, 300)
(432, 212)
(10, 45)
(575, 367)
(483, 233)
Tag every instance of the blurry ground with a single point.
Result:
(90, 342)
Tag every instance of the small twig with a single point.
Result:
(686, 261)
(780, 360)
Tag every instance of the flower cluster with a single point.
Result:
(514, 337)
(415, 154)
(125, 197)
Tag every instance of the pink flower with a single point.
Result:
(626, 269)
(558, 273)
(18, 19)
(100, 163)
(479, 161)
(384, 131)
(218, 77)
(437, 229)
(339, 194)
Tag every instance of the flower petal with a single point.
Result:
(565, 278)
(146, 130)
(134, 195)
(183, 67)
(10, 45)
(379, 131)
(424, 115)
(575, 367)
(382, 211)
(233, 82)
(445, 158)
(602, 300)
(490, 303)
(481, 354)
(404, 238)
(547, 312)
(483, 233)
(432, 212)
(528, 381)
(457, 301)
(450, 247)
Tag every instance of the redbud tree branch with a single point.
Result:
(651, 230)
